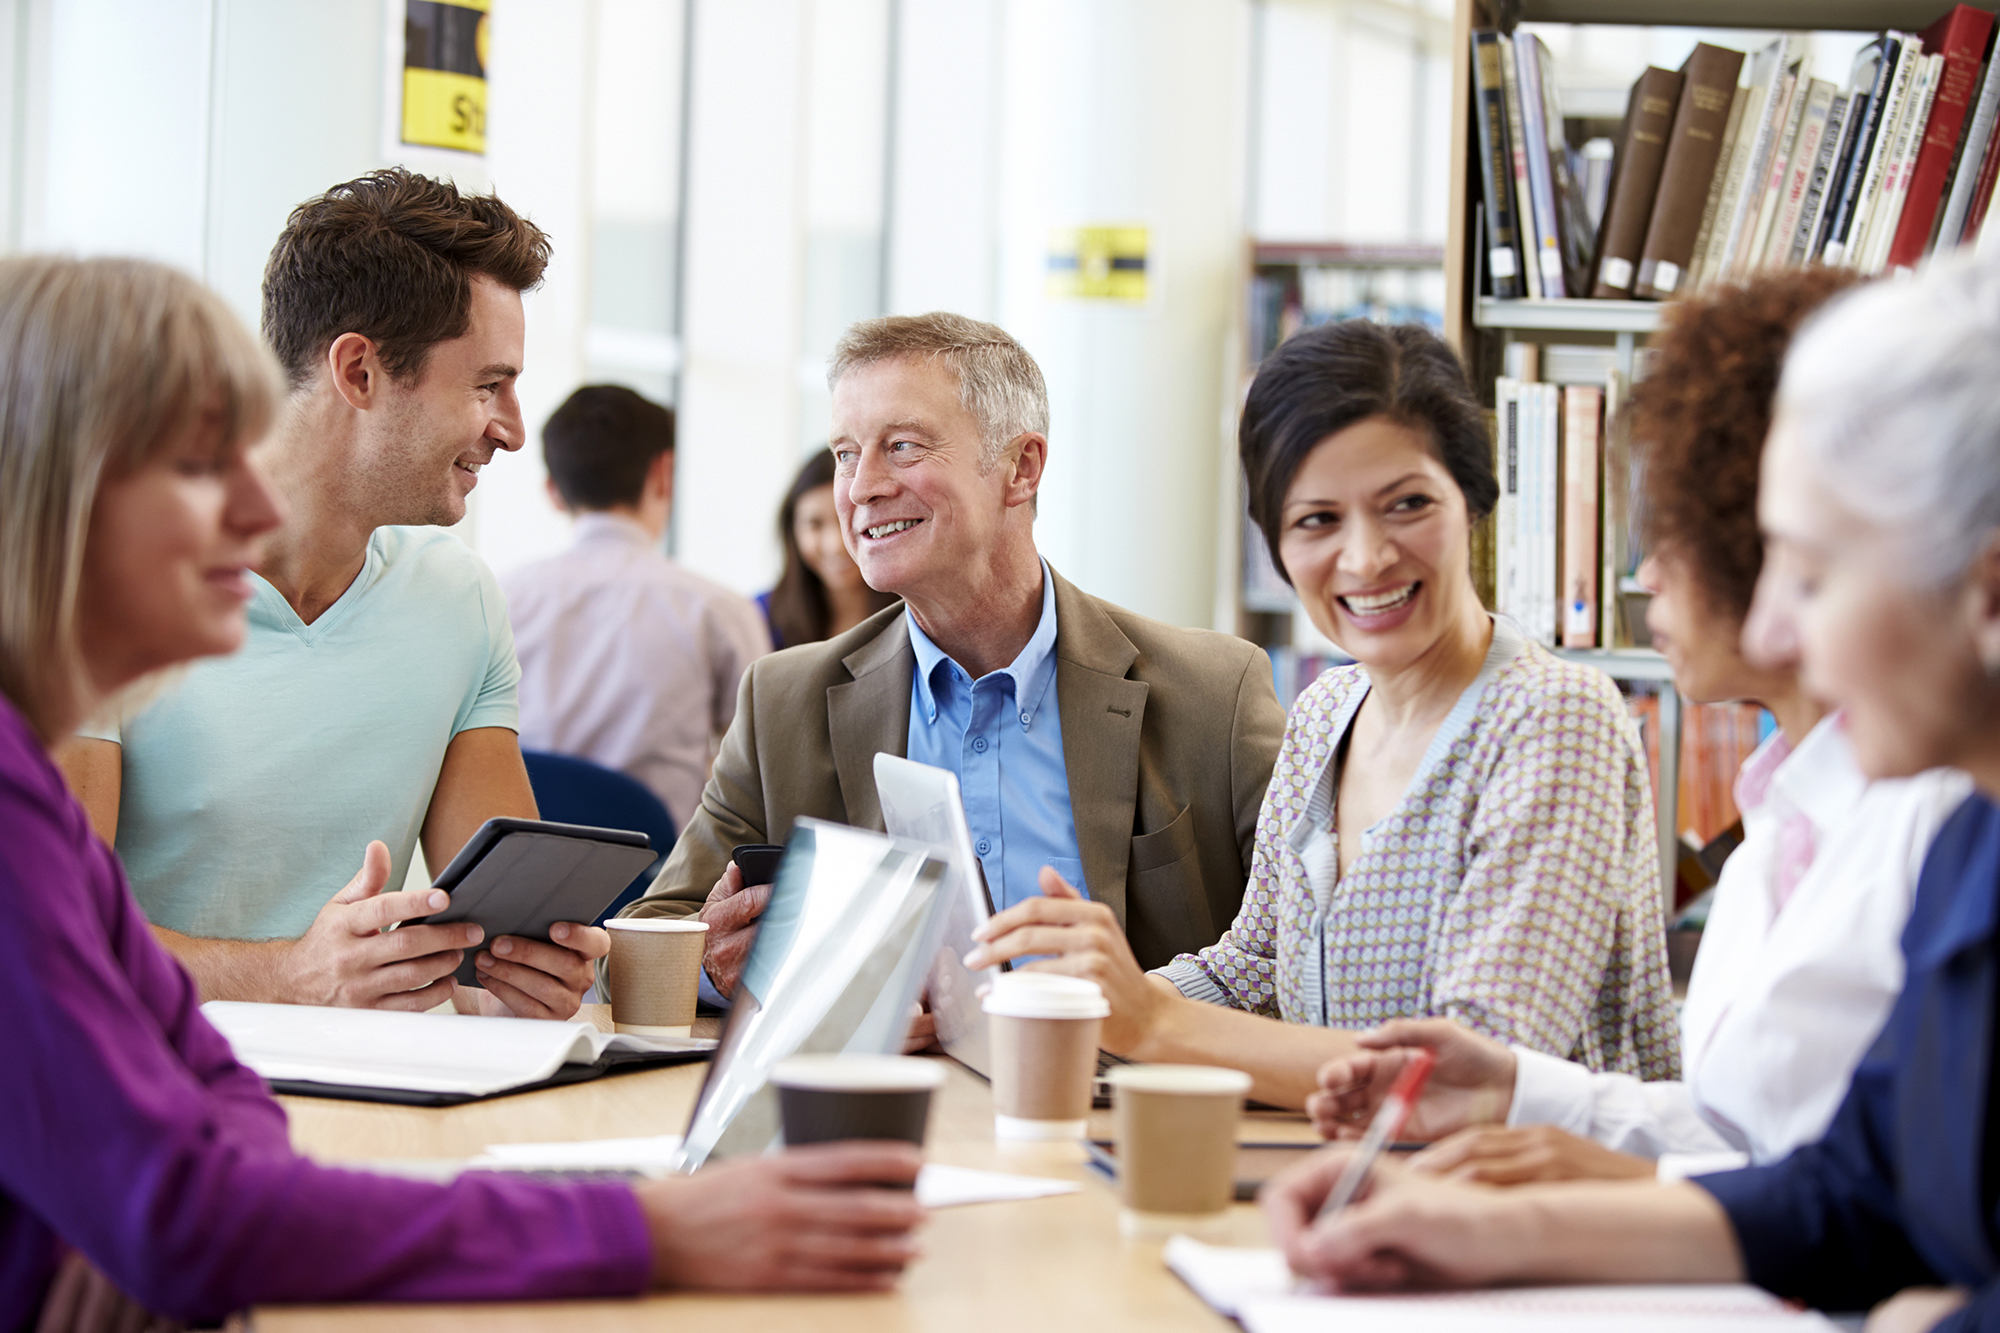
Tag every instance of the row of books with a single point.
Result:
(1715, 740)
(1738, 163)
(1562, 544)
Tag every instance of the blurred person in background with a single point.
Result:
(144, 1168)
(628, 659)
(1880, 506)
(1801, 957)
(820, 594)
(1459, 824)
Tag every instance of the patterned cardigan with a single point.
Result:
(1515, 888)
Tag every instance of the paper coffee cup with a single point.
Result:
(833, 1098)
(1176, 1132)
(1042, 1034)
(655, 974)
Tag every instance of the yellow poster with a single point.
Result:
(444, 73)
(1098, 263)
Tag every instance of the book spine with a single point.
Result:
(1705, 239)
(1489, 103)
(1982, 189)
(1874, 251)
(1548, 503)
(1798, 174)
(1878, 60)
(1581, 409)
(1895, 104)
(1960, 37)
(1613, 490)
(1757, 162)
(1971, 158)
(1541, 185)
(1694, 146)
(1517, 149)
(1635, 180)
(1728, 214)
(1836, 130)
(1786, 142)
(1506, 533)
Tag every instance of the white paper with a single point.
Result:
(940, 1186)
(1256, 1286)
(1228, 1277)
(653, 1156)
(1622, 1309)
(448, 1053)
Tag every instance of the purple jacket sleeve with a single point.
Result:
(136, 1137)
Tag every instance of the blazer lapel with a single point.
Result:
(868, 715)
(1102, 712)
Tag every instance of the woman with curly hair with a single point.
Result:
(1800, 962)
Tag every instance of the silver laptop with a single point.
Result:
(921, 803)
(840, 957)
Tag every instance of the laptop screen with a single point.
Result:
(839, 958)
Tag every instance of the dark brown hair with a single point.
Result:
(1324, 380)
(600, 442)
(800, 611)
(390, 256)
(1699, 417)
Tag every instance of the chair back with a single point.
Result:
(569, 790)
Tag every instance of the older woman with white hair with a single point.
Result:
(1881, 509)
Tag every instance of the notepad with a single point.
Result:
(1255, 1287)
(426, 1059)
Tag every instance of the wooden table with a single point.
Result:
(1031, 1266)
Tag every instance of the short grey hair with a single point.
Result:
(1893, 393)
(998, 382)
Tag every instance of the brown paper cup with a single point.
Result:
(655, 974)
(1176, 1129)
(1042, 1031)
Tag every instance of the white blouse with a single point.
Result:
(1787, 992)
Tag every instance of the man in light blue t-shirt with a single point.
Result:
(373, 703)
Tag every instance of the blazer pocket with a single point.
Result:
(1175, 842)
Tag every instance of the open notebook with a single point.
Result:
(1257, 1289)
(426, 1059)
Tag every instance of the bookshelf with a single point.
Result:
(1482, 327)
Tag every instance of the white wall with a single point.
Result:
(1115, 112)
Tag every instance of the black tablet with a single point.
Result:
(521, 876)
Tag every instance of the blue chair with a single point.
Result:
(576, 791)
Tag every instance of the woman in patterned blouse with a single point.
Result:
(1460, 824)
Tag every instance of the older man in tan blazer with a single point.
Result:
(1167, 735)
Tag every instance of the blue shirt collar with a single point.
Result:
(1030, 671)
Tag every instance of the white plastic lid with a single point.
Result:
(1044, 995)
(1199, 1080)
(663, 925)
(841, 1072)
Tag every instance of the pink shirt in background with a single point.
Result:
(629, 660)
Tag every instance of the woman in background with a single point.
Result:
(820, 594)
(138, 1155)
(1880, 507)
(1801, 960)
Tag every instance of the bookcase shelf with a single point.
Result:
(1772, 15)
(1622, 663)
(1570, 316)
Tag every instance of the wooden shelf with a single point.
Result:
(1774, 15)
(1340, 254)
(1573, 315)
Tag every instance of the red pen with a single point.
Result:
(1387, 1126)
